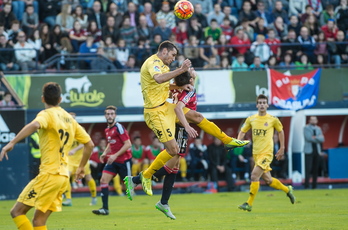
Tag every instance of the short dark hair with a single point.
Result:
(111, 107)
(51, 92)
(261, 96)
(182, 79)
(167, 45)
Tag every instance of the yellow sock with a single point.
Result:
(158, 163)
(68, 192)
(92, 187)
(278, 185)
(117, 184)
(41, 228)
(212, 129)
(22, 222)
(145, 166)
(135, 169)
(183, 167)
(254, 188)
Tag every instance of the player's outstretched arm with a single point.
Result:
(87, 151)
(164, 77)
(25, 132)
(181, 116)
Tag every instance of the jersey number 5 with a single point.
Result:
(62, 136)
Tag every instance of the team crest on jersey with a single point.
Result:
(266, 124)
(157, 68)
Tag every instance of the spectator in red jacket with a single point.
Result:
(241, 42)
(330, 30)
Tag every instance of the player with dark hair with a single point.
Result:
(57, 131)
(117, 156)
(160, 115)
(263, 126)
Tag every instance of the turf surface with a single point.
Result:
(314, 209)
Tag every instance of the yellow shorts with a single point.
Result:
(73, 169)
(185, 110)
(263, 161)
(162, 121)
(45, 192)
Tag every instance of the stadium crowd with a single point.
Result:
(237, 34)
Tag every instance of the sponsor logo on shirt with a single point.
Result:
(157, 68)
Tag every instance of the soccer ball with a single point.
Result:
(183, 9)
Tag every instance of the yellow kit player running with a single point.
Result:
(74, 156)
(159, 114)
(263, 125)
(57, 131)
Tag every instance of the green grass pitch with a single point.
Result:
(314, 209)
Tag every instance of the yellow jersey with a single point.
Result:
(58, 130)
(154, 94)
(74, 160)
(262, 132)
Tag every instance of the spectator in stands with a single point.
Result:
(30, 20)
(225, 63)
(307, 42)
(143, 50)
(150, 16)
(163, 30)
(313, 136)
(261, 49)
(35, 40)
(201, 18)
(240, 42)
(109, 48)
(181, 32)
(205, 6)
(303, 63)
(131, 63)
(212, 64)
(219, 164)
(317, 7)
(274, 43)
(25, 53)
(166, 14)
(247, 29)
(195, 29)
(95, 31)
(55, 36)
(18, 7)
(122, 52)
(2, 30)
(129, 33)
(325, 3)
(312, 24)
(6, 102)
(327, 14)
(7, 57)
(216, 14)
(294, 24)
(49, 9)
(47, 47)
(248, 14)
(272, 62)
(287, 62)
(101, 64)
(321, 61)
(279, 167)
(133, 14)
(207, 50)
(260, 28)
(113, 11)
(198, 160)
(191, 51)
(257, 65)
(144, 31)
(280, 29)
(308, 12)
(72, 3)
(97, 15)
(291, 44)
(341, 12)
(297, 7)
(87, 47)
(6, 16)
(279, 11)
(154, 44)
(339, 50)
(65, 19)
(13, 32)
(121, 5)
(227, 14)
(223, 50)
(110, 30)
(321, 45)
(213, 30)
(238, 64)
(227, 29)
(330, 30)
(262, 12)
(80, 16)
(77, 36)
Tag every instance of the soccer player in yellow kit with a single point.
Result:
(74, 156)
(159, 114)
(57, 131)
(262, 126)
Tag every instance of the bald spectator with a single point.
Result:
(307, 43)
(150, 16)
(163, 30)
(206, 5)
(133, 14)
